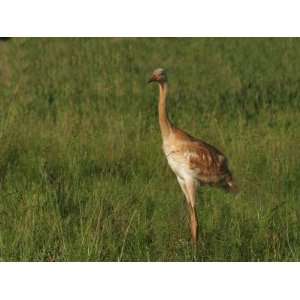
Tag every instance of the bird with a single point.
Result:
(194, 162)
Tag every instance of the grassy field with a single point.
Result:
(82, 174)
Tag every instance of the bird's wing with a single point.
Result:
(207, 161)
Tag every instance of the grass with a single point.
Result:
(82, 174)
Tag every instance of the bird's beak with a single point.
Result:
(151, 79)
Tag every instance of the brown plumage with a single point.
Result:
(193, 161)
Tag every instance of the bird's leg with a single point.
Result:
(193, 223)
(186, 194)
(191, 190)
(184, 189)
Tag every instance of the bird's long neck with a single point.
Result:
(164, 122)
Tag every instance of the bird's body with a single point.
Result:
(193, 161)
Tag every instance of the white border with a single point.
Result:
(149, 18)
(149, 281)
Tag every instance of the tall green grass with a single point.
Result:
(82, 174)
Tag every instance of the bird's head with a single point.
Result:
(159, 75)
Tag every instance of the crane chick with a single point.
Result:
(194, 162)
